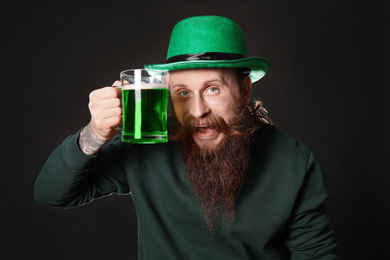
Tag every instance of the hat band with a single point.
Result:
(206, 56)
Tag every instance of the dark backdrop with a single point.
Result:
(325, 87)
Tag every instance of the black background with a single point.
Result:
(325, 87)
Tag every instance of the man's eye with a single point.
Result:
(184, 93)
(212, 90)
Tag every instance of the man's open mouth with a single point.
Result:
(205, 131)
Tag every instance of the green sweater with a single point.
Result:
(280, 212)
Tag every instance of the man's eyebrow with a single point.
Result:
(219, 79)
(180, 85)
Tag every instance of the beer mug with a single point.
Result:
(144, 106)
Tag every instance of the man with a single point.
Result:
(227, 186)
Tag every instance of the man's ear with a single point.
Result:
(246, 90)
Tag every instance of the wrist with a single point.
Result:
(90, 143)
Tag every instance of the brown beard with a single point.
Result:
(217, 172)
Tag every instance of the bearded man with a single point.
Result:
(227, 185)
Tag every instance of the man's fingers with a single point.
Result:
(108, 112)
(107, 124)
(99, 105)
(109, 103)
(103, 93)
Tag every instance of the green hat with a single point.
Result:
(210, 42)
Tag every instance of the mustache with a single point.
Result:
(191, 124)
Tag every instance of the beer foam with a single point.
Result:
(145, 86)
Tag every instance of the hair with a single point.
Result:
(241, 73)
(256, 106)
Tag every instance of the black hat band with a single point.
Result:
(205, 56)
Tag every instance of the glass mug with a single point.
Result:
(144, 106)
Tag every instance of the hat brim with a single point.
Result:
(257, 65)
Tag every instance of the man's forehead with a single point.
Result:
(220, 74)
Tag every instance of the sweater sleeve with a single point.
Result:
(310, 235)
(70, 178)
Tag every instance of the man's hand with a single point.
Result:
(106, 112)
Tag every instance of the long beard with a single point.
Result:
(217, 172)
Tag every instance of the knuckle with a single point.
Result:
(92, 95)
(92, 105)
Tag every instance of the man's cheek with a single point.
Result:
(178, 116)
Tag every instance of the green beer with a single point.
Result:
(144, 110)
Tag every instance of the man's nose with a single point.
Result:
(199, 107)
